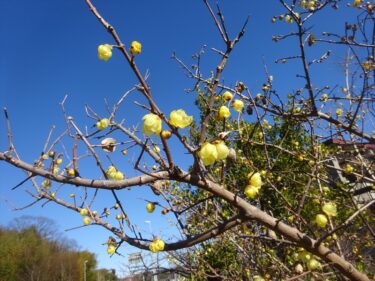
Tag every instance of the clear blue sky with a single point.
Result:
(49, 49)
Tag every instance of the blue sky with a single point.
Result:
(49, 49)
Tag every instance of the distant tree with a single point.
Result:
(27, 255)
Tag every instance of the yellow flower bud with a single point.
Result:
(224, 112)
(102, 124)
(86, 220)
(208, 153)
(105, 52)
(166, 134)
(179, 119)
(151, 124)
(238, 105)
(135, 48)
(227, 96)
(330, 209)
(339, 112)
(83, 212)
(118, 176)
(111, 250)
(321, 220)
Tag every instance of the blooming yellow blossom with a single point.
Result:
(208, 153)
(227, 96)
(151, 124)
(222, 150)
(238, 105)
(224, 112)
(83, 212)
(330, 209)
(135, 48)
(102, 124)
(105, 52)
(157, 245)
(321, 220)
(255, 179)
(251, 191)
(179, 119)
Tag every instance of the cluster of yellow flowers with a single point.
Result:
(311, 262)
(114, 174)
(212, 152)
(102, 124)
(152, 123)
(156, 246)
(255, 183)
(330, 210)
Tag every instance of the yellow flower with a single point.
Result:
(135, 48)
(208, 153)
(224, 112)
(179, 119)
(156, 245)
(255, 179)
(111, 250)
(348, 169)
(86, 220)
(288, 19)
(151, 124)
(118, 176)
(83, 212)
(339, 112)
(105, 52)
(111, 172)
(313, 264)
(227, 96)
(251, 191)
(238, 105)
(102, 124)
(222, 150)
(330, 209)
(321, 220)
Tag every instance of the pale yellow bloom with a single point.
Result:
(330, 209)
(227, 96)
(255, 179)
(102, 124)
(111, 250)
(157, 245)
(86, 220)
(208, 153)
(222, 150)
(83, 212)
(105, 52)
(135, 48)
(321, 220)
(251, 191)
(224, 112)
(151, 124)
(238, 105)
(179, 119)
